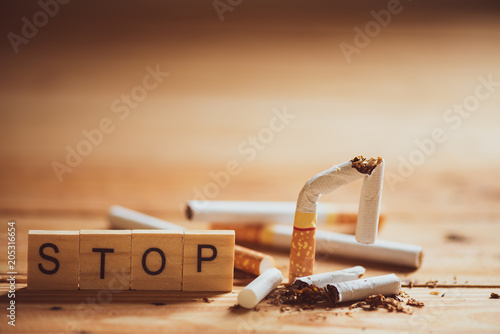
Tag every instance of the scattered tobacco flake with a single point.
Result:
(375, 302)
(206, 300)
(365, 166)
(414, 302)
(56, 308)
(234, 307)
(300, 293)
(256, 309)
(434, 293)
(494, 295)
(431, 284)
(443, 294)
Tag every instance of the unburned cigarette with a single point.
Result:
(123, 218)
(331, 244)
(251, 261)
(260, 287)
(245, 259)
(268, 212)
(302, 250)
(320, 280)
(363, 288)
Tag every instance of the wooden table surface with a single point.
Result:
(227, 81)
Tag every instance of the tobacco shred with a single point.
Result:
(305, 296)
(365, 166)
(392, 304)
(494, 295)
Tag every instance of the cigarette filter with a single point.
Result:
(302, 250)
(320, 280)
(245, 259)
(260, 287)
(251, 261)
(364, 288)
(331, 244)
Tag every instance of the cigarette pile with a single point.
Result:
(303, 241)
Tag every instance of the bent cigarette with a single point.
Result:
(268, 212)
(364, 288)
(302, 250)
(245, 259)
(251, 261)
(259, 288)
(320, 280)
(340, 245)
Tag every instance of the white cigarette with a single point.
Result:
(123, 218)
(265, 212)
(363, 288)
(260, 287)
(336, 245)
(320, 280)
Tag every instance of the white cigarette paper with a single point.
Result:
(320, 280)
(346, 246)
(337, 176)
(364, 288)
(258, 211)
(123, 218)
(259, 288)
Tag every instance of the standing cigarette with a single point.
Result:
(330, 243)
(364, 288)
(245, 259)
(268, 212)
(260, 287)
(302, 251)
(251, 261)
(320, 280)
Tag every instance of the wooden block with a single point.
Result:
(208, 261)
(156, 262)
(53, 260)
(105, 259)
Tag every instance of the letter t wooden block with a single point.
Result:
(208, 261)
(105, 259)
(53, 260)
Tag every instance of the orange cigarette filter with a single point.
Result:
(303, 248)
(251, 261)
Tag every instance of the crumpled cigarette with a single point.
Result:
(364, 288)
(320, 280)
(302, 251)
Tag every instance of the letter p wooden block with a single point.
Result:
(105, 259)
(208, 261)
(53, 260)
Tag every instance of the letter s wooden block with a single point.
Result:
(53, 260)
(105, 259)
(156, 260)
(208, 261)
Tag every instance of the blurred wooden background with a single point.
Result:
(226, 79)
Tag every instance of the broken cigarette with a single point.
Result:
(320, 280)
(329, 243)
(251, 261)
(245, 259)
(269, 212)
(259, 288)
(363, 288)
(302, 250)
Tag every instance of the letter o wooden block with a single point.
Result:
(105, 259)
(53, 260)
(156, 260)
(208, 261)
